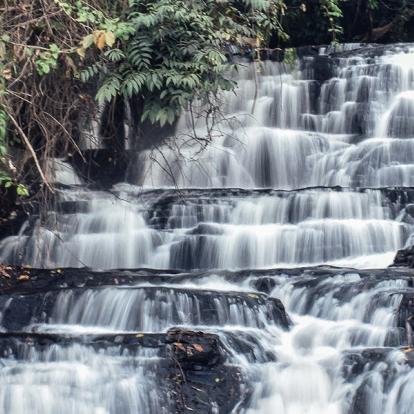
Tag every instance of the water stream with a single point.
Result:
(302, 175)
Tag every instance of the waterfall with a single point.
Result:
(276, 237)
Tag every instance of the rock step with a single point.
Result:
(150, 308)
(154, 301)
(190, 371)
(162, 200)
(379, 372)
(21, 279)
(192, 366)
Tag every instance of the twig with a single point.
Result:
(31, 150)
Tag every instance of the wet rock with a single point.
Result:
(202, 382)
(372, 371)
(19, 344)
(22, 307)
(160, 213)
(409, 209)
(103, 167)
(323, 68)
(275, 55)
(195, 349)
(368, 50)
(250, 345)
(355, 363)
(13, 212)
(308, 51)
(360, 121)
(405, 257)
(190, 367)
(406, 309)
(265, 284)
(72, 207)
(204, 228)
(276, 312)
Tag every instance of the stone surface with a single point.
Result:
(191, 367)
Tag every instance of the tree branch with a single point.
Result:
(31, 150)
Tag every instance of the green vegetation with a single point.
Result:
(170, 52)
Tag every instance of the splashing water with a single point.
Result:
(308, 169)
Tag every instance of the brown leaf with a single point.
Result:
(23, 277)
(3, 272)
(99, 39)
(7, 74)
(179, 346)
(198, 347)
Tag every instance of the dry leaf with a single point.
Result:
(7, 74)
(179, 346)
(99, 39)
(109, 38)
(198, 347)
(3, 272)
(23, 277)
(81, 52)
(87, 41)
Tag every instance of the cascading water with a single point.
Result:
(311, 166)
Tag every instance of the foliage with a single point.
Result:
(58, 54)
(6, 181)
(39, 96)
(290, 57)
(314, 21)
(332, 11)
(47, 60)
(170, 52)
(324, 21)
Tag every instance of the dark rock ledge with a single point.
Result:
(405, 257)
(359, 366)
(202, 381)
(21, 279)
(191, 368)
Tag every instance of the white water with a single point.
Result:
(357, 131)
(307, 376)
(79, 380)
(359, 229)
(284, 139)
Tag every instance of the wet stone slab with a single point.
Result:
(188, 368)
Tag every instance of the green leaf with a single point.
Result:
(22, 191)
(87, 41)
(109, 89)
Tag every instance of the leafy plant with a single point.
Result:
(47, 59)
(170, 52)
(333, 13)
